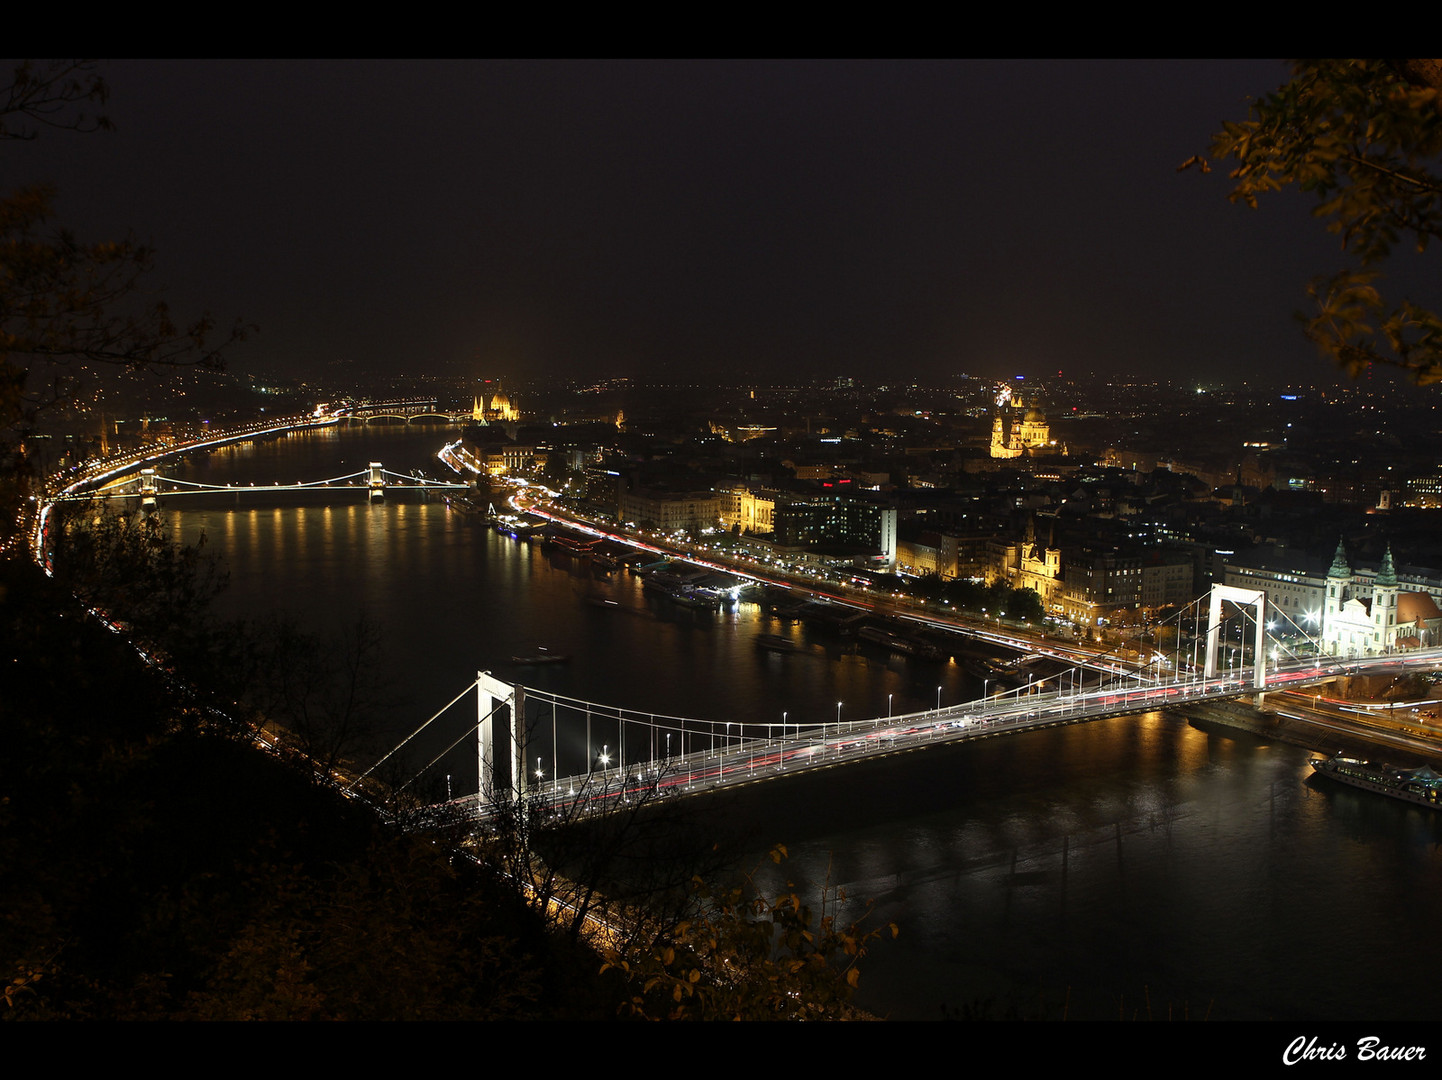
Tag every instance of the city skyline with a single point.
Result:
(706, 423)
(657, 219)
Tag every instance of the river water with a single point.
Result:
(1136, 866)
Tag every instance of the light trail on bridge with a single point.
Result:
(630, 752)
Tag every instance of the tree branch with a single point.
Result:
(47, 93)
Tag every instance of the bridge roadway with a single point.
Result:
(745, 761)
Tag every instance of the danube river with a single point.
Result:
(1091, 871)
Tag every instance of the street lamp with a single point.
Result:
(888, 706)
(938, 700)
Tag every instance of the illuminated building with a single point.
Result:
(668, 512)
(1017, 430)
(935, 553)
(1028, 565)
(1168, 579)
(837, 517)
(946, 554)
(1099, 584)
(1354, 625)
(753, 512)
(493, 407)
(1424, 492)
(1292, 589)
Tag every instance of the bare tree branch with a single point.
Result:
(52, 93)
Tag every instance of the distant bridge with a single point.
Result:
(92, 476)
(127, 468)
(407, 409)
(375, 479)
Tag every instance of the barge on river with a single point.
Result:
(1421, 785)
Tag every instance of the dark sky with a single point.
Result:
(783, 219)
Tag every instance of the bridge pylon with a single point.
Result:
(149, 487)
(1240, 597)
(376, 478)
(500, 739)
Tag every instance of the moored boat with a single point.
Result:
(1422, 786)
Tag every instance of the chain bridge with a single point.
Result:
(375, 479)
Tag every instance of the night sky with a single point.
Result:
(779, 219)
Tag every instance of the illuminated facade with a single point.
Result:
(1388, 620)
(668, 511)
(754, 512)
(1291, 590)
(948, 555)
(1028, 565)
(1353, 625)
(1016, 429)
(935, 553)
(1100, 584)
(493, 407)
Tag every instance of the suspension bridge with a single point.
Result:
(375, 479)
(533, 743)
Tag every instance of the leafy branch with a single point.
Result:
(1351, 313)
(1365, 138)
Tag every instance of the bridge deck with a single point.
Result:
(745, 761)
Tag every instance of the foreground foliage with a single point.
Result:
(1365, 138)
(741, 955)
(151, 867)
